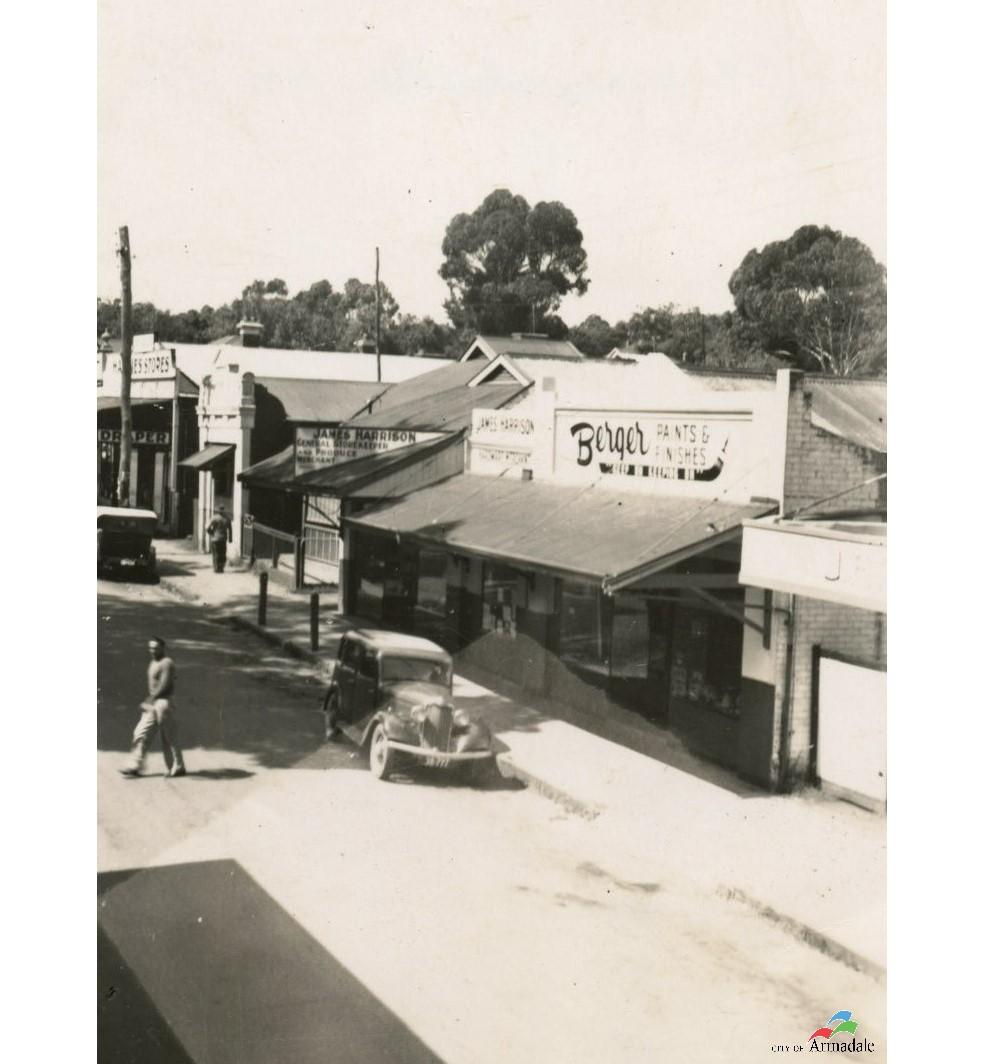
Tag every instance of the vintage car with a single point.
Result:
(391, 695)
(124, 541)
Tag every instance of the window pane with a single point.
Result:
(501, 590)
(630, 639)
(432, 587)
(582, 645)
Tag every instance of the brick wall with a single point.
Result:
(819, 464)
(853, 633)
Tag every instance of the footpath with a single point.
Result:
(814, 865)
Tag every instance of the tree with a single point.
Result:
(508, 266)
(356, 316)
(650, 329)
(414, 336)
(595, 337)
(817, 299)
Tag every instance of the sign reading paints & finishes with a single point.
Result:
(687, 448)
(318, 448)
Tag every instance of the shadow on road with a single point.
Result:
(233, 693)
(197, 962)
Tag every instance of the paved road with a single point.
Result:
(279, 904)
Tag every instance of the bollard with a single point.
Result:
(315, 617)
(261, 612)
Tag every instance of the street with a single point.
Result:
(280, 904)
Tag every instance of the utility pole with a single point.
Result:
(379, 360)
(126, 368)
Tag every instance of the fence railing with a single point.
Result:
(263, 543)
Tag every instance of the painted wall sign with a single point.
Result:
(145, 436)
(688, 448)
(488, 459)
(318, 448)
(500, 440)
(492, 423)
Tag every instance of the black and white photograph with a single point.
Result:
(491, 501)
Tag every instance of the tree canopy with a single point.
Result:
(817, 299)
(508, 266)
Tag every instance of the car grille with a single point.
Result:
(435, 729)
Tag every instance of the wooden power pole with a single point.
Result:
(126, 368)
(379, 360)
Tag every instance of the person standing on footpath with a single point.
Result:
(220, 532)
(157, 712)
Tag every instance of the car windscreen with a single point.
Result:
(396, 668)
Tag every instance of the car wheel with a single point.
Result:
(481, 771)
(331, 717)
(381, 757)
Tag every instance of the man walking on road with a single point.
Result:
(158, 712)
(220, 531)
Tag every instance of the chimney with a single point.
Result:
(250, 332)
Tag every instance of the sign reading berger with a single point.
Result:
(700, 448)
(317, 448)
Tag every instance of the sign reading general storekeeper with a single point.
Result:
(317, 448)
(689, 449)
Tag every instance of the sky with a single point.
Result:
(245, 139)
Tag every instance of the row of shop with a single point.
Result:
(702, 551)
(594, 553)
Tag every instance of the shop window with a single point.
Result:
(432, 584)
(630, 639)
(706, 668)
(503, 591)
(584, 637)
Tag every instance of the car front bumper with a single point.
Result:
(441, 758)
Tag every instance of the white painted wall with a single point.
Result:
(852, 727)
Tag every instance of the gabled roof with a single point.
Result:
(444, 411)
(440, 401)
(523, 344)
(321, 401)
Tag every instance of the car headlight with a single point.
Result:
(419, 713)
(461, 718)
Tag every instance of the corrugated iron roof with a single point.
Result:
(344, 477)
(111, 402)
(327, 401)
(208, 456)
(855, 410)
(444, 412)
(591, 532)
(273, 472)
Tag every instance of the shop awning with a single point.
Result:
(398, 471)
(602, 536)
(275, 472)
(208, 456)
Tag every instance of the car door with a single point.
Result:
(349, 656)
(366, 684)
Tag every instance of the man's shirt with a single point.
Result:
(160, 678)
